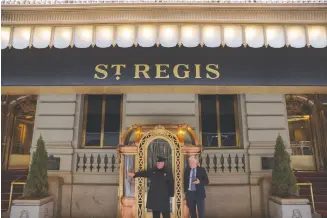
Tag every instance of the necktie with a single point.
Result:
(193, 178)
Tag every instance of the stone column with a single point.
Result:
(58, 120)
(266, 118)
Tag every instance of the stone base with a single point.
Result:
(285, 208)
(42, 208)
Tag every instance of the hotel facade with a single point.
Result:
(111, 84)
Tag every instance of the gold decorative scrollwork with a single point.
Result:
(159, 132)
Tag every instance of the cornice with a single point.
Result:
(227, 13)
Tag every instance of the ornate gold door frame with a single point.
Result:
(159, 132)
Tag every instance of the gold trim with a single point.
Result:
(160, 132)
(218, 121)
(199, 89)
(237, 124)
(121, 118)
(103, 116)
(11, 192)
(85, 120)
(311, 193)
(200, 120)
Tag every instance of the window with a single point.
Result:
(102, 120)
(299, 116)
(219, 123)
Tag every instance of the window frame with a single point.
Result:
(237, 124)
(103, 110)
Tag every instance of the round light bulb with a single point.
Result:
(229, 32)
(315, 33)
(168, 32)
(209, 32)
(147, 33)
(271, 34)
(127, 33)
(188, 32)
(46, 34)
(26, 35)
(66, 34)
(86, 34)
(251, 33)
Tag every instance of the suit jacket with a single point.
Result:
(201, 174)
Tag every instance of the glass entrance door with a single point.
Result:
(18, 125)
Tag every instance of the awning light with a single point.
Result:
(166, 35)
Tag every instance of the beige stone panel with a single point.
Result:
(94, 201)
(160, 97)
(264, 98)
(131, 120)
(56, 108)
(57, 98)
(65, 161)
(55, 190)
(160, 109)
(266, 122)
(265, 190)
(94, 177)
(265, 108)
(256, 201)
(227, 201)
(256, 163)
(267, 135)
(66, 200)
(55, 135)
(57, 122)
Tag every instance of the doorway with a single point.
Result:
(140, 146)
(18, 115)
(307, 127)
(159, 147)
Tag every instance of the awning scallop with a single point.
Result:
(166, 35)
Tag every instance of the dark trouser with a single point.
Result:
(156, 214)
(193, 202)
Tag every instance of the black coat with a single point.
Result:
(161, 188)
(201, 174)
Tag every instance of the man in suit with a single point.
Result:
(161, 188)
(195, 178)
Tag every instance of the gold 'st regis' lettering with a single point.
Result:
(159, 71)
(103, 73)
(210, 69)
(144, 71)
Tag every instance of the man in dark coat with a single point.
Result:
(195, 178)
(161, 188)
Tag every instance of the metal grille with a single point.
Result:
(160, 133)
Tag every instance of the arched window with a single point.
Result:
(18, 115)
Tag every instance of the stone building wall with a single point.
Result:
(242, 192)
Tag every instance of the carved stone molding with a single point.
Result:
(61, 16)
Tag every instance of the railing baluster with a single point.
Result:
(233, 163)
(208, 162)
(222, 163)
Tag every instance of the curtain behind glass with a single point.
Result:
(129, 183)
